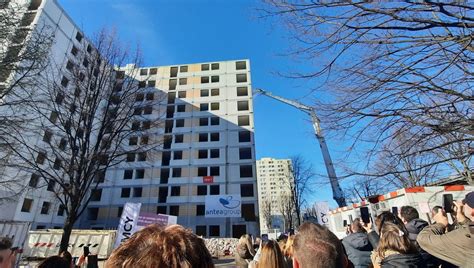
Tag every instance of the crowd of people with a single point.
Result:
(402, 240)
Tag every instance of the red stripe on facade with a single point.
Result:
(418, 189)
(454, 188)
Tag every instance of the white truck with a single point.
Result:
(421, 198)
(45, 243)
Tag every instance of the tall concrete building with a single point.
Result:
(202, 113)
(273, 180)
(208, 149)
(37, 203)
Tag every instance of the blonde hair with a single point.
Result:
(159, 246)
(271, 256)
(394, 238)
(246, 240)
(288, 250)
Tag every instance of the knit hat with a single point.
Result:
(469, 200)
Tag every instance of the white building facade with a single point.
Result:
(37, 203)
(273, 182)
(202, 113)
(205, 122)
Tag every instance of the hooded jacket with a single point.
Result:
(414, 227)
(358, 249)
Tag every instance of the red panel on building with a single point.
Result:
(208, 179)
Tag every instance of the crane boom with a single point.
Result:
(338, 195)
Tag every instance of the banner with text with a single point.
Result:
(146, 218)
(223, 206)
(128, 222)
(322, 210)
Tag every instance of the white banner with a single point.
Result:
(322, 210)
(223, 206)
(128, 222)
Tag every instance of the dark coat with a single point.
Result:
(403, 260)
(414, 227)
(374, 239)
(358, 249)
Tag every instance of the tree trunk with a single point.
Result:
(67, 229)
(298, 215)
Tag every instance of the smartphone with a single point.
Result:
(395, 211)
(448, 203)
(344, 222)
(86, 251)
(364, 214)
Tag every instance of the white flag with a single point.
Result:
(128, 222)
(322, 210)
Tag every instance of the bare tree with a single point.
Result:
(364, 186)
(457, 158)
(302, 176)
(287, 210)
(24, 48)
(393, 69)
(90, 117)
(402, 164)
(267, 212)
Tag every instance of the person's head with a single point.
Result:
(356, 227)
(67, 256)
(385, 217)
(161, 246)
(7, 255)
(392, 237)
(271, 256)
(288, 252)
(435, 210)
(246, 240)
(257, 240)
(315, 246)
(468, 202)
(408, 213)
(54, 262)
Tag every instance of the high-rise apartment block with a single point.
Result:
(203, 115)
(274, 181)
(37, 203)
(208, 149)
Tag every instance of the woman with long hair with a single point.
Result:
(288, 251)
(271, 256)
(244, 252)
(395, 248)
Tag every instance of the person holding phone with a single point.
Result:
(82, 261)
(457, 246)
(357, 245)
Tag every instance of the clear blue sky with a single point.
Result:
(187, 31)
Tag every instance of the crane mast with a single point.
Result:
(338, 195)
